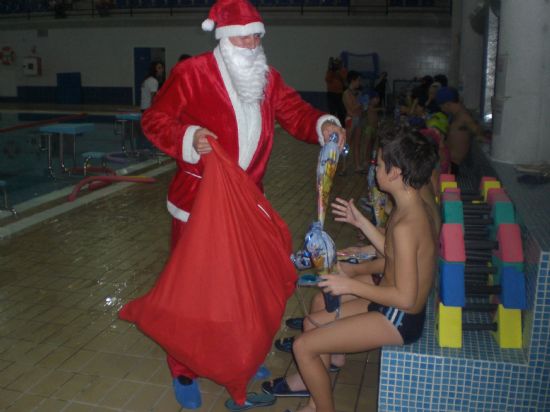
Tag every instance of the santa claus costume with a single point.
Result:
(238, 99)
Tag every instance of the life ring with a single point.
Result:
(7, 55)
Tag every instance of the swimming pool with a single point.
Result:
(24, 151)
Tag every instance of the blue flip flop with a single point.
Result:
(285, 344)
(295, 323)
(253, 400)
(279, 387)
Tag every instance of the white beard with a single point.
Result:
(247, 69)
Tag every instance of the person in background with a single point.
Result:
(441, 79)
(431, 105)
(381, 86)
(335, 80)
(462, 126)
(354, 109)
(151, 84)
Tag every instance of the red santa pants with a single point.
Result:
(176, 368)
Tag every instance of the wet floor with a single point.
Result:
(62, 281)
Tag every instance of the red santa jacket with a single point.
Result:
(198, 94)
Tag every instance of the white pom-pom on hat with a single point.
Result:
(208, 25)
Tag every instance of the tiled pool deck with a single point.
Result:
(481, 376)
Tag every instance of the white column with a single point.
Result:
(521, 108)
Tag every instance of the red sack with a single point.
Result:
(219, 301)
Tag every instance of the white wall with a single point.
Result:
(104, 55)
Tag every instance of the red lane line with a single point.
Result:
(107, 180)
(43, 122)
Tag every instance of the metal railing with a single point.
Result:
(107, 8)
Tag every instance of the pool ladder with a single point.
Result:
(6, 207)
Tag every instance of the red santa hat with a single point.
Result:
(234, 18)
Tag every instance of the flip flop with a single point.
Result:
(295, 323)
(285, 344)
(253, 400)
(279, 387)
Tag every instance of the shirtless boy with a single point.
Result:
(372, 316)
(462, 127)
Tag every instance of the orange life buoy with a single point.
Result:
(7, 55)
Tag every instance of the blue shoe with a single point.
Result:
(262, 373)
(187, 394)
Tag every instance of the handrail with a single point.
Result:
(172, 7)
(43, 122)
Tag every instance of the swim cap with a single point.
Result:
(439, 121)
(446, 94)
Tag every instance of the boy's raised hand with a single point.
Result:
(345, 211)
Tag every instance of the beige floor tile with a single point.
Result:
(351, 373)
(8, 397)
(80, 407)
(345, 397)
(78, 360)
(109, 365)
(38, 353)
(57, 357)
(17, 350)
(97, 389)
(374, 356)
(4, 364)
(162, 375)
(76, 384)
(368, 400)
(51, 405)
(146, 397)
(208, 386)
(50, 383)
(13, 372)
(168, 403)
(119, 394)
(144, 369)
(28, 379)
(370, 379)
(25, 403)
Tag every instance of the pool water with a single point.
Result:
(24, 155)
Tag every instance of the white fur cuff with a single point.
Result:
(177, 212)
(323, 119)
(188, 152)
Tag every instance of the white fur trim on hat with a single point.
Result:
(240, 30)
(208, 25)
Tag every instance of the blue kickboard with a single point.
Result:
(68, 128)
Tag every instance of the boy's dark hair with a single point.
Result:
(441, 79)
(412, 153)
(153, 69)
(352, 75)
